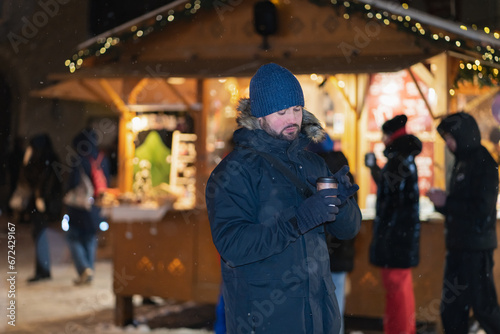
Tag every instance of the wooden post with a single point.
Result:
(124, 311)
(126, 147)
(200, 125)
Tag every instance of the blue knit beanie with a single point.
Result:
(274, 88)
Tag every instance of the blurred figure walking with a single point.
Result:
(38, 192)
(396, 228)
(84, 219)
(470, 223)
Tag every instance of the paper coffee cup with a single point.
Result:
(326, 182)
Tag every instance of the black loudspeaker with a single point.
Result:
(265, 20)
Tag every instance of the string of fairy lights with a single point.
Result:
(103, 45)
(484, 70)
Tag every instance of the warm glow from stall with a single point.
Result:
(139, 124)
(390, 96)
(432, 96)
(176, 80)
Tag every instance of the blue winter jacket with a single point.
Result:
(275, 280)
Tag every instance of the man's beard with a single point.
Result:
(282, 135)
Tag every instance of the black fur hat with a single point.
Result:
(394, 124)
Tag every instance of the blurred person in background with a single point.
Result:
(39, 193)
(14, 163)
(396, 227)
(341, 251)
(84, 222)
(469, 207)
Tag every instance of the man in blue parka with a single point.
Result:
(267, 219)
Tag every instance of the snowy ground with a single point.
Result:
(57, 306)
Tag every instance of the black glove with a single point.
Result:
(346, 188)
(317, 209)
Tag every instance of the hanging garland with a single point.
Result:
(477, 74)
(103, 45)
(483, 71)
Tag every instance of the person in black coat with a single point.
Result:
(341, 251)
(43, 191)
(396, 227)
(470, 224)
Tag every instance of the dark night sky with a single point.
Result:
(105, 15)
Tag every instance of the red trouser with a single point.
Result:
(399, 301)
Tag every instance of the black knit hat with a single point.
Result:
(394, 124)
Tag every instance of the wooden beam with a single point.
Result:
(424, 74)
(178, 94)
(476, 101)
(126, 148)
(92, 90)
(200, 125)
(421, 93)
(132, 97)
(365, 94)
(344, 94)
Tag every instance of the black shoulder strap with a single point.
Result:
(303, 187)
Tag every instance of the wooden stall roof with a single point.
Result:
(178, 93)
(220, 40)
(214, 42)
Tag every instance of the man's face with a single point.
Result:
(451, 143)
(284, 124)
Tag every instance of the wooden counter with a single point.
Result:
(175, 258)
(366, 295)
(172, 258)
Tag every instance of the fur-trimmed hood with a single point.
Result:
(311, 126)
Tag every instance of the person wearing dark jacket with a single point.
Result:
(469, 208)
(341, 251)
(267, 219)
(396, 227)
(83, 223)
(44, 197)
